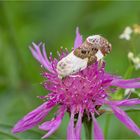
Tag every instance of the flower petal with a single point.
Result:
(78, 40)
(71, 130)
(41, 56)
(52, 126)
(32, 118)
(124, 118)
(130, 83)
(45, 55)
(98, 134)
(126, 102)
(79, 126)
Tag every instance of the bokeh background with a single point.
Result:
(54, 23)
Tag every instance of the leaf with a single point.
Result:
(5, 130)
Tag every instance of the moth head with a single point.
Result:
(108, 48)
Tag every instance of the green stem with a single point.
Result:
(88, 129)
(129, 71)
(108, 119)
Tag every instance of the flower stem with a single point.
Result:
(88, 129)
(107, 123)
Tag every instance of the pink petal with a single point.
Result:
(124, 118)
(130, 83)
(126, 102)
(78, 40)
(98, 134)
(32, 118)
(79, 126)
(35, 55)
(45, 55)
(71, 130)
(52, 126)
(41, 57)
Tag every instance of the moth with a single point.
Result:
(93, 49)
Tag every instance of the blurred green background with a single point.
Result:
(54, 23)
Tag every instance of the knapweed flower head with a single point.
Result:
(81, 95)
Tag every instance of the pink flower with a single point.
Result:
(81, 95)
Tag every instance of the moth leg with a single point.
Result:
(100, 63)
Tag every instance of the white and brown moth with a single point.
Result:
(93, 49)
